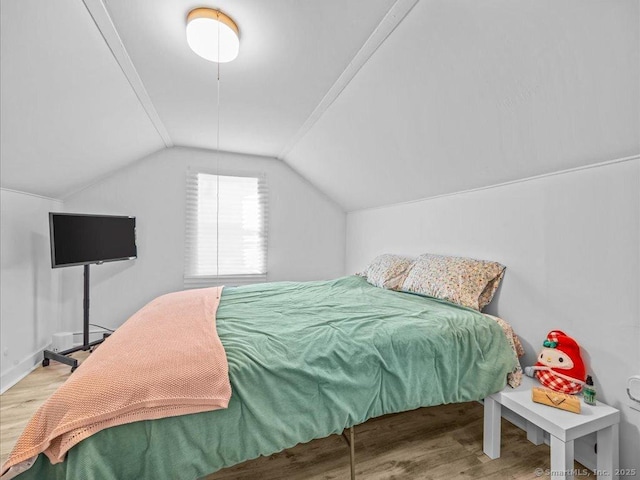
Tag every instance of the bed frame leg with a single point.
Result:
(352, 452)
(351, 441)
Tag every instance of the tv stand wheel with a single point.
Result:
(45, 362)
(73, 369)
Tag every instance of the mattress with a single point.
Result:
(306, 360)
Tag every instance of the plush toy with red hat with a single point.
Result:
(559, 366)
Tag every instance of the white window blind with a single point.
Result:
(226, 230)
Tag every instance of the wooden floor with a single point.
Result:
(443, 442)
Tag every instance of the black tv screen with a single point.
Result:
(78, 239)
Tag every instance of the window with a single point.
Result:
(226, 230)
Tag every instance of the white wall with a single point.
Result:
(306, 231)
(29, 287)
(571, 246)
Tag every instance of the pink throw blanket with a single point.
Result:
(166, 360)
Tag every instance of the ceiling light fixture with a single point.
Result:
(213, 35)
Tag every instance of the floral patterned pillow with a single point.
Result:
(387, 271)
(465, 281)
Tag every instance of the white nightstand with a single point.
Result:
(563, 427)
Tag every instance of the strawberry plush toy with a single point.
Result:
(559, 366)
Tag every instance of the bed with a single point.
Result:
(306, 360)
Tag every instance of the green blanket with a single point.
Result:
(306, 360)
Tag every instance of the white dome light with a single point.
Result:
(204, 27)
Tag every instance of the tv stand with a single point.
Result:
(63, 357)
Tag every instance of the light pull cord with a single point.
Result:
(218, 162)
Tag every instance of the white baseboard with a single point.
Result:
(16, 373)
(93, 336)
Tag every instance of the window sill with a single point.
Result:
(202, 281)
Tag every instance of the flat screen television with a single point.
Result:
(79, 239)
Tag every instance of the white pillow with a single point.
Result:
(388, 271)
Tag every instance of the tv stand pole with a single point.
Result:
(63, 357)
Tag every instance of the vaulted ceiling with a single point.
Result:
(70, 114)
(374, 101)
(466, 94)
